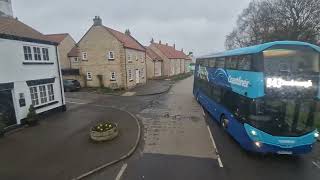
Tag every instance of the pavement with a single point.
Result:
(152, 87)
(60, 147)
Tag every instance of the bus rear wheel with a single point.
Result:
(224, 122)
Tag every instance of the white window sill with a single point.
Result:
(37, 62)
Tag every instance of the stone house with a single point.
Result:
(154, 64)
(173, 60)
(66, 43)
(109, 58)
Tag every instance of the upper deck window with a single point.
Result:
(290, 59)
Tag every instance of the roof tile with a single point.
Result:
(153, 55)
(58, 38)
(14, 27)
(127, 40)
(170, 52)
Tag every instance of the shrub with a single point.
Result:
(32, 117)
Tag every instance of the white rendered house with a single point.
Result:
(29, 72)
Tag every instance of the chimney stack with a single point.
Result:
(97, 21)
(166, 44)
(182, 50)
(152, 41)
(159, 41)
(174, 46)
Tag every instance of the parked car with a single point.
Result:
(71, 85)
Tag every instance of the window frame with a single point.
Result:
(89, 76)
(212, 62)
(84, 56)
(130, 78)
(230, 59)
(43, 94)
(37, 53)
(250, 60)
(28, 56)
(45, 54)
(51, 96)
(111, 55)
(129, 58)
(113, 76)
(34, 96)
(220, 59)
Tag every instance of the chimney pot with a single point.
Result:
(97, 21)
(182, 50)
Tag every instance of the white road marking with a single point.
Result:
(215, 147)
(316, 164)
(71, 102)
(123, 168)
(203, 113)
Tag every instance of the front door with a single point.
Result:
(7, 112)
(137, 76)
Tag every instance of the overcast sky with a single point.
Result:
(195, 25)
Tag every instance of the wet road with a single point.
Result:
(177, 145)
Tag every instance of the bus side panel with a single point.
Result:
(235, 128)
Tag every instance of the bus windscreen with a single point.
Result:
(285, 59)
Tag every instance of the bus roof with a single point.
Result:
(258, 48)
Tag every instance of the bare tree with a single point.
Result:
(269, 20)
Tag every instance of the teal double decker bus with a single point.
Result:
(265, 96)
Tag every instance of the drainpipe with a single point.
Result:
(125, 67)
(60, 78)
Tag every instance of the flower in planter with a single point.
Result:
(103, 127)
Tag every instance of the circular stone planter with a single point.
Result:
(103, 133)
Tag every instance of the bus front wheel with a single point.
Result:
(224, 122)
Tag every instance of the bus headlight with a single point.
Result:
(253, 132)
(258, 144)
(316, 134)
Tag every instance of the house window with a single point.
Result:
(142, 60)
(142, 73)
(37, 53)
(113, 76)
(34, 96)
(43, 94)
(76, 59)
(89, 76)
(110, 55)
(84, 56)
(130, 75)
(45, 54)
(27, 52)
(129, 58)
(50, 92)
(137, 58)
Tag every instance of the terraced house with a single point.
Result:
(174, 61)
(109, 58)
